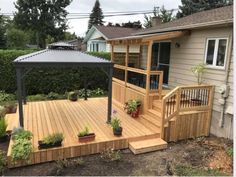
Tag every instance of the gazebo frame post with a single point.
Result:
(109, 112)
(19, 95)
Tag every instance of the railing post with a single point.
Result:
(163, 118)
(160, 85)
(149, 60)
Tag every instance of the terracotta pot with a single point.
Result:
(118, 131)
(87, 138)
(46, 146)
(135, 114)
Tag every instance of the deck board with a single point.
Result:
(44, 117)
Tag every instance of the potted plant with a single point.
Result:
(133, 107)
(85, 136)
(116, 125)
(3, 128)
(50, 141)
(72, 96)
(198, 71)
(22, 146)
(21, 150)
(20, 133)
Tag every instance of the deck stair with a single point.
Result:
(147, 145)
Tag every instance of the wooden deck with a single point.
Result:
(46, 117)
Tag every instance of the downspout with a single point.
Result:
(228, 62)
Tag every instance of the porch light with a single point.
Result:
(177, 45)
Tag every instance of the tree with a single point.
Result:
(45, 17)
(3, 27)
(164, 14)
(135, 24)
(148, 18)
(17, 38)
(96, 16)
(189, 7)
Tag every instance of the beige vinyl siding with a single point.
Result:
(192, 52)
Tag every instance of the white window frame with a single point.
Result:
(213, 66)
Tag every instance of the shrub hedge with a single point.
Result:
(48, 80)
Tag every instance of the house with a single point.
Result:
(172, 49)
(97, 36)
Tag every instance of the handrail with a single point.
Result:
(186, 98)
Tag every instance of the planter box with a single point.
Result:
(46, 146)
(3, 139)
(87, 138)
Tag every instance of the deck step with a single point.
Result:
(148, 145)
(154, 113)
(152, 120)
(149, 124)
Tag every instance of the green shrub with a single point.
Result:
(53, 138)
(3, 161)
(81, 93)
(97, 92)
(105, 55)
(48, 79)
(37, 97)
(21, 149)
(20, 133)
(2, 111)
(53, 96)
(3, 127)
(4, 97)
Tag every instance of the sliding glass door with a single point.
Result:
(161, 58)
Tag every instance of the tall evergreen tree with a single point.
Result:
(189, 7)
(3, 27)
(44, 17)
(96, 16)
(164, 14)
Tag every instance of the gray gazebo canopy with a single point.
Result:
(58, 55)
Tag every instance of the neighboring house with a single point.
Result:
(97, 36)
(78, 43)
(175, 47)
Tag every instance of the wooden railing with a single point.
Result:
(156, 78)
(186, 98)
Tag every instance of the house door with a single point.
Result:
(161, 59)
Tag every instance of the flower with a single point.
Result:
(114, 111)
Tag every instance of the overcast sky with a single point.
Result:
(79, 26)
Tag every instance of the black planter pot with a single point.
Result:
(117, 131)
(73, 98)
(3, 138)
(46, 146)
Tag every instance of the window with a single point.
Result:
(216, 52)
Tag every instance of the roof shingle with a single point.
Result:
(115, 32)
(221, 15)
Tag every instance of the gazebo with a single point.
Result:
(58, 55)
